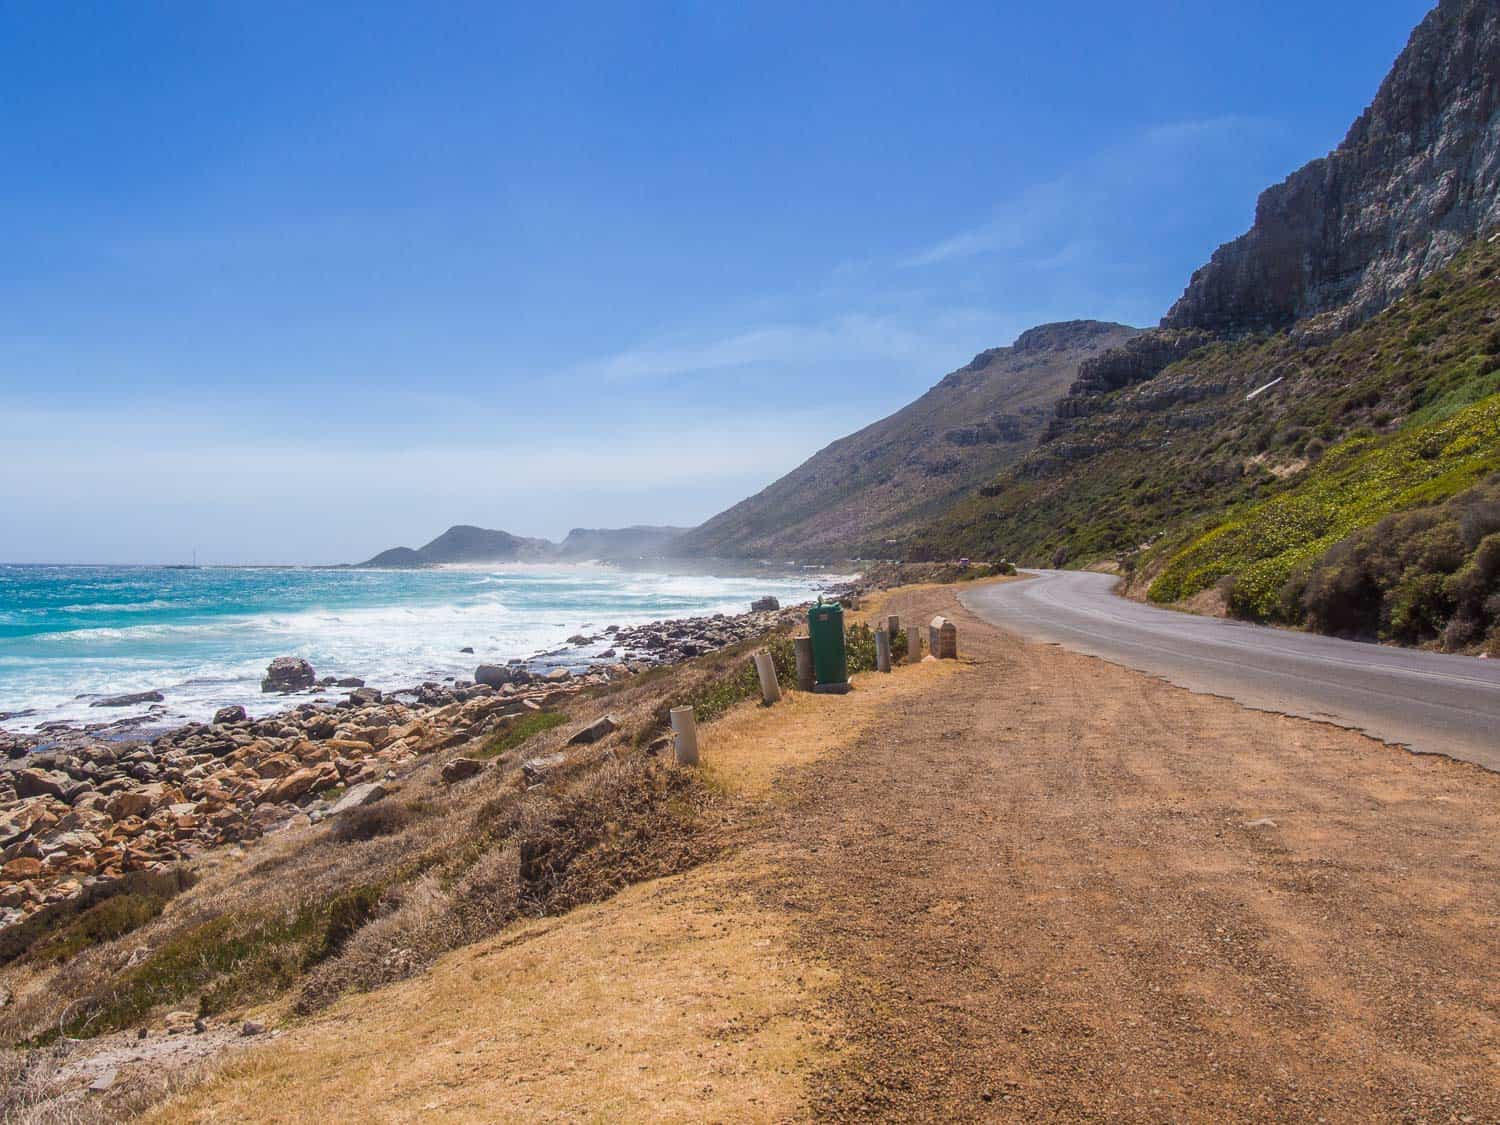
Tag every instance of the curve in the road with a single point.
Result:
(1428, 702)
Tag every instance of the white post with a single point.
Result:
(913, 644)
(882, 651)
(765, 667)
(685, 727)
(803, 645)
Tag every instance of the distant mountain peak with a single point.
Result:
(864, 492)
(1063, 334)
(466, 543)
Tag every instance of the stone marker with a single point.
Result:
(942, 638)
(803, 645)
(765, 667)
(685, 727)
(882, 651)
(893, 625)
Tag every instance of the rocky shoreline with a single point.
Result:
(83, 809)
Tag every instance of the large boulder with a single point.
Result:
(36, 783)
(288, 673)
(226, 715)
(358, 795)
(494, 675)
(766, 604)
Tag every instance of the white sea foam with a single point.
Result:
(392, 629)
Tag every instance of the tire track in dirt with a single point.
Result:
(1048, 896)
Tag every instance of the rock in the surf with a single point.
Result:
(129, 700)
(288, 673)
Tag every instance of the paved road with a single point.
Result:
(1432, 703)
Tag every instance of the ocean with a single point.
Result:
(70, 635)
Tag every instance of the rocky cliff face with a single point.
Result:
(1417, 177)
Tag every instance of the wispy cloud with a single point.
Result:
(838, 338)
(1013, 226)
(1044, 218)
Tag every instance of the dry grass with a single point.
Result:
(676, 1000)
(684, 975)
(37, 1089)
(744, 752)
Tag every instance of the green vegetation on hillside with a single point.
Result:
(1250, 459)
(1355, 485)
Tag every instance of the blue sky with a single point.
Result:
(290, 282)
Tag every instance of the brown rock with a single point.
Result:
(23, 868)
(460, 768)
(292, 786)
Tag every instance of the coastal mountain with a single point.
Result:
(862, 495)
(641, 541)
(1311, 435)
(467, 544)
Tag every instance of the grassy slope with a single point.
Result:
(680, 999)
(1154, 461)
(1354, 486)
(1189, 480)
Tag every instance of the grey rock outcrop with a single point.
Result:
(1417, 177)
(288, 673)
(129, 700)
(599, 728)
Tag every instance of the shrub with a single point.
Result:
(384, 818)
(1409, 578)
(548, 851)
(227, 960)
(104, 921)
(1355, 485)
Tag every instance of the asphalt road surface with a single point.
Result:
(1428, 702)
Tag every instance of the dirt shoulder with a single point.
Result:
(1030, 885)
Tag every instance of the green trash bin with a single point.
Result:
(825, 625)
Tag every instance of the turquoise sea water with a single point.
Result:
(70, 634)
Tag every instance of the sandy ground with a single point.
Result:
(1030, 885)
(1057, 889)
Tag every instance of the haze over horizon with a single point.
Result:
(297, 286)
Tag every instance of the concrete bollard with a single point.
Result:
(942, 638)
(913, 644)
(803, 645)
(882, 651)
(685, 728)
(893, 625)
(765, 667)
